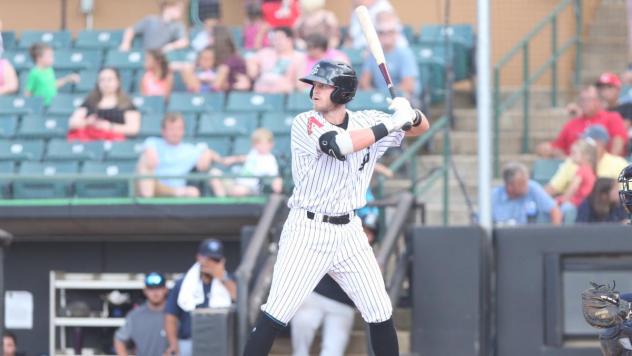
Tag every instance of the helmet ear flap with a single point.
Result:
(311, 92)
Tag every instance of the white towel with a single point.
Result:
(192, 291)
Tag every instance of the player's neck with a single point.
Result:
(336, 115)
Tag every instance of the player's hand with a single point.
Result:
(403, 113)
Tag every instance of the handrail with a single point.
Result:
(528, 79)
(395, 227)
(245, 270)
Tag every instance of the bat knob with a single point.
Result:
(407, 127)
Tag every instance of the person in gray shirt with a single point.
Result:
(164, 32)
(144, 326)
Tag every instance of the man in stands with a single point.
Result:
(205, 285)
(164, 32)
(169, 156)
(591, 113)
(609, 86)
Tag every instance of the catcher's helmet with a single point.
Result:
(625, 189)
(337, 74)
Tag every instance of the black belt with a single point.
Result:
(336, 220)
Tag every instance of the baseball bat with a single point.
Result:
(376, 49)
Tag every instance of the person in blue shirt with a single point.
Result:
(521, 200)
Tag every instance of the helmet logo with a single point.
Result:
(316, 69)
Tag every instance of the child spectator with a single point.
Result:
(584, 155)
(106, 114)
(259, 162)
(165, 32)
(602, 205)
(41, 80)
(255, 28)
(201, 78)
(158, 79)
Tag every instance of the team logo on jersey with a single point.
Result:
(310, 124)
(365, 159)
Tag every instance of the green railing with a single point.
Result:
(411, 155)
(528, 78)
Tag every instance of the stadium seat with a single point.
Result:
(178, 82)
(125, 60)
(277, 122)
(238, 35)
(248, 101)
(8, 126)
(368, 99)
(150, 125)
(356, 57)
(65, 104)
(43, 127)
(409, 33)
(298, 102)
(226, 124)
(21, 150)
(432, 62)
(282, 146)
(44, 189)
(55, 39)
(221, 145)
(20, 105)
(99, 39)
(128, 150)
(181, 55)
(544, 169)
(77, 59)
(196, 103)
(241, 146)
(463, 33)
(104, 188)
(149, 104)
(8, 39)
(5, 183)
(61, 150)
(21, 60)
(87, 81)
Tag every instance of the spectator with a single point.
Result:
(158, 79)
(280, 13)
(144, 326)
(522, 201)
(315, 20)
(609, 87)
(205, 37)
(169, 156)
(255, 28)
(8, 77)
(276, 69)
(584, 155)
(165, 32)
(317, 50)
(608, 165)
(106, 114)
(41, 80)
(259, 162)
(210, 11)
(400, 60)
(205, 285)
(9, 344)
(356, 37)
(202, 77)
(591, 113)
(602, 205)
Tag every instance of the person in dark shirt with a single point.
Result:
(609, 87)
(602, 205)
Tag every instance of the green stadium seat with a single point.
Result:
(55, 39)
(104, 188)
(99, 39)
(463, 33)
(369, 100)
(241, 146)
(5, 183)
(65, 104)
(21, 150)
(149, 104)
(195, 103)
(23, 77)
(44, 189)
(227, 124)
(8, 126)
(178, 82)
(128, 150)
(248, 101)
(21, 60)
(181, 55)
(8, 39)
(87, 81)
(20, 105)
(150, 125)
(238, 35)
(409, 33)
(278, 122)
(298, 102)
(432, 62)
(77, 59)
(221, 145)
(43, 127)
(62, 150)
(125, 60)
(356, 57)
(544, 169)
(282, 146)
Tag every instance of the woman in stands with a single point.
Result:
(158, 79)
(106, 114)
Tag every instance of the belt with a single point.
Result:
(336, 220)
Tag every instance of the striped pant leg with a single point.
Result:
(305, 255)
(357, 272)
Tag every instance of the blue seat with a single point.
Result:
(77, 59)
(369, 100)
(195, 103)
(241, 145)
(248, 101)
(65, 104)
(8, 39)
(278, 122)
(99, 39)
(227, 124)
(356, 57)
(298, 102)
(150, 125)
(282, 147)
(19, 59)
(8, 126)
(128, 150)
(409, 33)
(55, 39)
(8, 168)
(181, 55)
(21, 150)
(463, 33)
(154, 105)
(62, 150)
(44, 189)
(237, 35)
(106, 188)
(544, 169)
(125, 60)
(43, 127)
(87, 81)
(221, 145)
(20, 105)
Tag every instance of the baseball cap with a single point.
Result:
(211, 248)
(609, 78)
(155, 280)
(597, 133)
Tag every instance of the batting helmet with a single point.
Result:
(625, 190)
(337, 74)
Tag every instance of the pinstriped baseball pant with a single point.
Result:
(309, 249)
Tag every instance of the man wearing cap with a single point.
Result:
(609, 86)
(144, 325)
(205, 285)
(608, 165)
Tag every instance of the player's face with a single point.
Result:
(321, 97)
(155, 296)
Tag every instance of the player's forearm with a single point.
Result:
(362, 139)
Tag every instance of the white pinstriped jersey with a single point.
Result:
(324, 184)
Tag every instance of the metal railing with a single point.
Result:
(528, 78)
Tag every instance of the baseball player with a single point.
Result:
(334, 152)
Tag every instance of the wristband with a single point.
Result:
(379, 131)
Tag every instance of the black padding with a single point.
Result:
(328, 145)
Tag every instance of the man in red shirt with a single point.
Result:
(591, 113)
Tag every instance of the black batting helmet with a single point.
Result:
(625, 190)
(337, 74)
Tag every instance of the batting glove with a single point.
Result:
(403, 114)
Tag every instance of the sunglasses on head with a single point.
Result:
(154, 280)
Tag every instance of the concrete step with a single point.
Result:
(610, 32)
(467, 165)
(551, 119)
(539, 97)
(603, 63)
(458, 216)
(356, 346)
(603, 47)
(510, 142)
